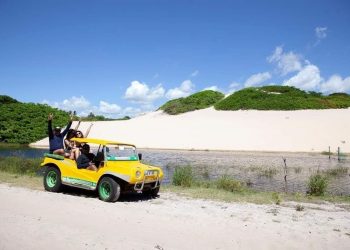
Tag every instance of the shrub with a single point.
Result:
(228, 184)
(281, 98)
(317, 185)
(183, 176)
(200, 100)
(277, 198)
(299, 207)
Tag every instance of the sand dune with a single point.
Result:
(208, 129)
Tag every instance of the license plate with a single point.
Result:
(150, 173)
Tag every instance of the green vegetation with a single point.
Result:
(281, 98)
(21, 172)
(183, 176)
(268, 172)
(338, 171)
(227, 183)
(277, 198)
(93, 117)
(249, 195)
(26, 122)
(23, 123)
(200, 100)
(20, 166)
(317, 184)
(4, 99)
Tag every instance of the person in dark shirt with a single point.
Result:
(85, 159)
(56, 137)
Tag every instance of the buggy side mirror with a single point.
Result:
(140, 156)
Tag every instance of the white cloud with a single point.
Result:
(185, 89)
(195, 73)
(308, 78)
(73, 103)
(256, 79)
(286, 62)
(83, 107)
(336, 84)
(233, 87)
(140, 92)
(109, 108)
(321, 32)
(214, 88)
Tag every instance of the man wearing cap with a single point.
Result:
(56, 137)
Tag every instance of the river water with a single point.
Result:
(265, 171)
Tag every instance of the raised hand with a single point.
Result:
(50, 117)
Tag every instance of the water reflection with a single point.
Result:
(261, 171)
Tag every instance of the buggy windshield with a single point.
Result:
(121, 153)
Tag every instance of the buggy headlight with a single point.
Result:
(138, 174)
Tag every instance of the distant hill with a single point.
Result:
(281, 98)
(200, 100)
(27, 122)
(4, 99)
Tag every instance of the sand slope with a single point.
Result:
(41, 220)
(305, 130)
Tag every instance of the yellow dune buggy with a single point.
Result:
(119, 170)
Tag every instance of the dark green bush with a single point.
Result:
(317, 185)
(200, 100)
(183, 176)
(281, 98)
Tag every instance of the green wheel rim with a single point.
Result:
(51, 179)
(105, 190)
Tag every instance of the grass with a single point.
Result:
(21, 172)
(281, 98)
(268, 172)
(250, 196)
(20, 166)
(183, 176)
(200, 100)
(298, 170)
(335, 172)
(227, 183)
(317, 184)
(5, 145)
(229, 189)
(32, 182)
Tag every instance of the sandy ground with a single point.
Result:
(31, 219)
(294, 131)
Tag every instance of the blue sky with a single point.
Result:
(127, 57)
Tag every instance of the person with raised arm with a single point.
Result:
(56, 137)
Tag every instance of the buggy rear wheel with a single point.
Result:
(52, 180)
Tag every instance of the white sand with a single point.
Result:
(295, 131)
(41, 220)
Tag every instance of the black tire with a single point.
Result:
(52, 180)
(108, 189)
(152, 192)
